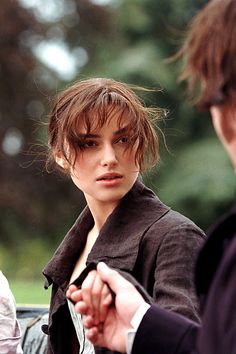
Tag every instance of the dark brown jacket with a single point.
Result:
(142, 237)
(167, 333)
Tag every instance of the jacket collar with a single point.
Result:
(59, 268)
(118, 241)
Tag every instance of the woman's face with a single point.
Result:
(105, 168)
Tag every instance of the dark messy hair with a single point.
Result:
(93, 102)
(209, 54)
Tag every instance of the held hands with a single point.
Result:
(106, 321)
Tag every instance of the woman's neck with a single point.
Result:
(100, 212)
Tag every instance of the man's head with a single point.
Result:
(210, 54)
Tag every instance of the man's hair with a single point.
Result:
(93, 102)
(209, 54)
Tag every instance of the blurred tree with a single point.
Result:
(33, 204)
(44, 48)
(147, 33)
(19, 105)
(30, 202)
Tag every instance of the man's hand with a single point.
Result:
(106, 321)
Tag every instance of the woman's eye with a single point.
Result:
(123, 140)
(88, 144)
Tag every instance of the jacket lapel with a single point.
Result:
(118, 241)
(60, 267)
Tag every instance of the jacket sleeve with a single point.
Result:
(165, 332)
(218, 333)
(174, 287)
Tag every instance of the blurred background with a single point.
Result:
(45, 46)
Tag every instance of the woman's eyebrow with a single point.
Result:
(97, 136)
(121, 131)
(88, 135)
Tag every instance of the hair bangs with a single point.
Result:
(88, 105)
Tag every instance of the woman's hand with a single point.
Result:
(106, 322)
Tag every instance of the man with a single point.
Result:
(210, 70)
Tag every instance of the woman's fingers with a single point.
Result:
(87, 287)
(92, 334)
(97, 292)
(96, 295)
(106, 300)
(82, 308)
(94, 298)
(72, 288)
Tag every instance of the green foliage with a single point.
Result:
(197, 182)
(195, 176)
(29, 292)
(25, 260)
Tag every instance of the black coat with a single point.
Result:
(168, 333)
(142, 237)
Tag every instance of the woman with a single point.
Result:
(102, 136)
(209, 53)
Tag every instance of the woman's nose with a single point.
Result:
(108, 157)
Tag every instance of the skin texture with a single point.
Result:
(110, 328)
(224, 122)
(104, 169)
(105, 151)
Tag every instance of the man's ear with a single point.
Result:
(61, 161)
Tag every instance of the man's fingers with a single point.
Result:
(111, 277)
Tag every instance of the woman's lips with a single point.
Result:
(109, 176)
(110, 179)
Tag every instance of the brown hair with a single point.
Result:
(209, 52)
(93, 102)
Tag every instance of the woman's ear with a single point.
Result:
(61, 161)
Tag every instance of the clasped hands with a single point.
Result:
(105, 317)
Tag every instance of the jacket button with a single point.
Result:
(45, 329)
